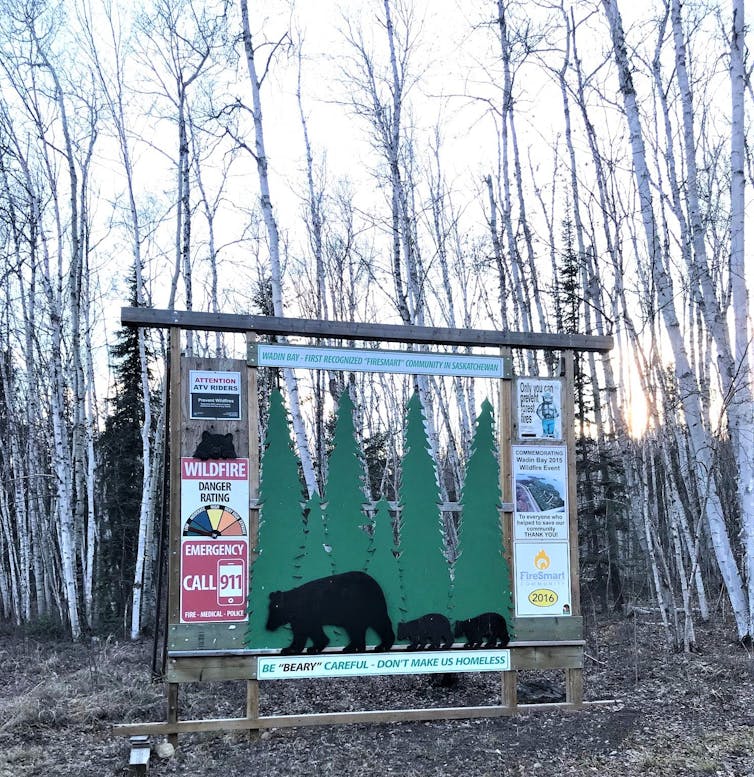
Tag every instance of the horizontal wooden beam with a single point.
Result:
(204, 668)
(347, 330)
(340, 718)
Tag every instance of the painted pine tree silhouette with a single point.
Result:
(344, 494)
(316, 561)
(481, 581)
(424, 567)
(382, 563)
(281, 528)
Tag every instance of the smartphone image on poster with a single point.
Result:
(230, 577)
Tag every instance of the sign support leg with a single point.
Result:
(510, 690)
(252, 706)
(172, 689)
(574, 687)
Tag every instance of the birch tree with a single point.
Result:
(266, 204)
(662, 282)
(66, 128)
(741, 401)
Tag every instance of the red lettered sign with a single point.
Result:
(215, 540)
(213, 580)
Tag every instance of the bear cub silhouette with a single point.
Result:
(352, 600)
(431, 631)
(489, 628)
(215, 446)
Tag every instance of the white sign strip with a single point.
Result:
(368, 360)
(367, 664)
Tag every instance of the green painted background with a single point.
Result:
(303, 540)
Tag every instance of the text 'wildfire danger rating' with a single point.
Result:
(214, 542)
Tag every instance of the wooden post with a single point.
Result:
(509, 679)
(172, 717)
(569, 435)
(252, 686)
(174, 542)
(574, 677)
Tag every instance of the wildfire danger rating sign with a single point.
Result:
(214, 541)
(366, 664)
(213, 581)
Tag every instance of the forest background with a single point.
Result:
(532, 166)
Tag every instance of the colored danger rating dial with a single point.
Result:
(214, 566)
(214, 521)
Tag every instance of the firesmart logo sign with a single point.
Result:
(542, 579)
(214, 541)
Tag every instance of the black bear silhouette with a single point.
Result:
(489, 627)
(352, 600)
(215, 446)
(431, 630)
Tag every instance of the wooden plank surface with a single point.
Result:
(343, 718)
(192, 429)
(185, 669)
(508, 679)
(211, 668)
(252, 684)
(390, 333)
(555, 629)
(561, 657)
(172, 716)
(575, 686)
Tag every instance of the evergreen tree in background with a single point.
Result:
(121, 468)
(481, 577)
(281, 527)
(345, 494)
(424, 567)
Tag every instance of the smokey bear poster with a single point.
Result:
(539, 411)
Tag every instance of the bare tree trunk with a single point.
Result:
(114, 93)
(497, 249)
(661, 590)
(260, 157)
(210, 207)
(520, 282)
(662, 282)
(741, 408)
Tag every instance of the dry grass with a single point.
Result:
(680, 716)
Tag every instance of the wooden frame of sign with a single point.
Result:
(541, 643)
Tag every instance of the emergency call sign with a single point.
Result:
(213, 581)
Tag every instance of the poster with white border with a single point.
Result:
(540, 481)
(542, 579)
(539, 409)
(214, 540)
(214, 395)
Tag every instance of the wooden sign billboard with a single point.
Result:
(325, 573)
